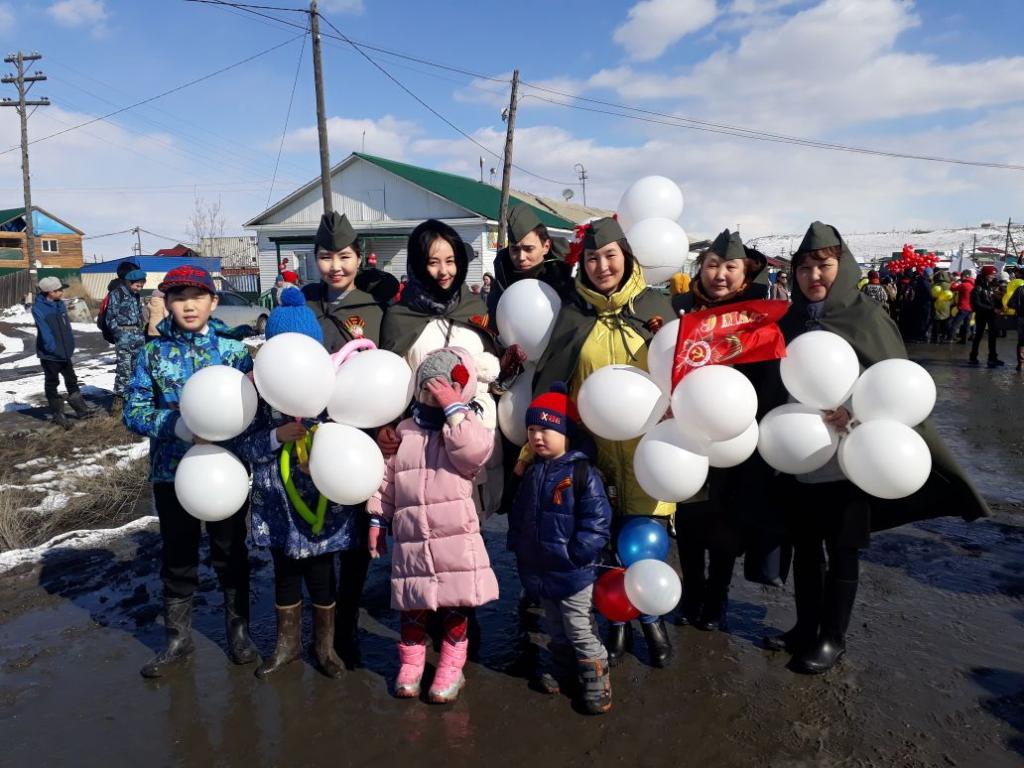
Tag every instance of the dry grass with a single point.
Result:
(111, 497)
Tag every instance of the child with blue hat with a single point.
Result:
(300, 526)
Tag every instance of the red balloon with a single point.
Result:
(610, 596)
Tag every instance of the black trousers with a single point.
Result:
(52, 371)
(983, 322)
(179, 553)
(707, 538)
(289, 574)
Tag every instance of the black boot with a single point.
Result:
(289, 640)
(809, 586)
(236, 626)
(659, 649)
(178, 626)
(82, 409)
(323, 641)
(831, 644)
(619, 640)
(352, 569)
(716, 595)
(596, 682)
(712, 616)
(57, 413)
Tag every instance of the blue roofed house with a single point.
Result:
(58, 244)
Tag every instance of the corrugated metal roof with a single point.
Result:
(468, 193)
(153, 264)
(11, 213)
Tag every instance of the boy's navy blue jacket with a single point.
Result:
(556, 531)
(54, 340)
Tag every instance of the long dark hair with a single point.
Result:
(418, 250)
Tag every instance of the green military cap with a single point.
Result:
(335, 233)
(728, 246)
(819, 236)
(602, 232)
(521, 221)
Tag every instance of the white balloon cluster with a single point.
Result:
(298, 378)
(648, 213)
(882, 454)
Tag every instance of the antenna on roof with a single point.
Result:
(567, 194)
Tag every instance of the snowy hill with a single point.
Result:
(871, 246)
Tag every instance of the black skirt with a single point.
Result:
(837, 512)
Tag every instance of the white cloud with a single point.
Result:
(343, 6)
(79, 13)
(387, 137)
(654, 25)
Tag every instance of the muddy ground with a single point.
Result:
(934, 674)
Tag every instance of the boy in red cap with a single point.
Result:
(559, 524)
(189, 339)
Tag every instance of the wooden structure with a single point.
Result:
(58, 245)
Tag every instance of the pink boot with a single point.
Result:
(414, 659)
(449, 678)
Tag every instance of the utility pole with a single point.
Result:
(506, 172)
(1006, 247)
(581, 172)
(137, 248)
(321, 117)
(19, 80)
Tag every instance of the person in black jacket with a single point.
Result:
(55, 344)
(558, 527)
(709, 527)
(984, 304)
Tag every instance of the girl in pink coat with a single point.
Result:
(439, 563)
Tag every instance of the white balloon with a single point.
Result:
(526, 316)
(794, 439)
(650, 197)
(295, 375)
(653, 587)
(820, 369)
(211, 483)
(620, 402)
(731, 453)
(346, 465)
(661, 247)
(661, 356)
(371, 388)
(512, 406)
(886, 459)
(218, 402)
(717, 401)
(670, 464)
(895, 389)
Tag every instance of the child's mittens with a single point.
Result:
(377, 541)
(446, 394)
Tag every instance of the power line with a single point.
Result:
(287, 117)
(160, 95)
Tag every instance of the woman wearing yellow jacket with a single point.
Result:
(611, 320)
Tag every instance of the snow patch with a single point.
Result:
(87, 539)
(11, 346)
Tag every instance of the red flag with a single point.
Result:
(744, 332)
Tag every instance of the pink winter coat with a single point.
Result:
(438, 558)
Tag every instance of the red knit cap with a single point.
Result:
(554, 410)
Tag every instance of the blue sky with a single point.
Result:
(934, 77)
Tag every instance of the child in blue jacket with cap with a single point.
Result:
(559, 525)
(127, 322)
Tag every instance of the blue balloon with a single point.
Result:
(642, 539)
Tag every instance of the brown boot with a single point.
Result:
(323, 641)
(289, 639)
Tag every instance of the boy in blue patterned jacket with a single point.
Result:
(189, 340)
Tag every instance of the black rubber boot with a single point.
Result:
(659, 649)
(716, 595)
(831, 643)
(691, 561)
(323, 641)
(82, 409)
(289, 640)
(596, 683)
(178, 626)
(57, 413)
(619, 640)
(809, 586)
(236, 626)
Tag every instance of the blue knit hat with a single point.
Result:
(135, 276)
(293, 316)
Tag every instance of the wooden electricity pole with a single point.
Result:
(506, 171)
(321, 116)
(19, 80)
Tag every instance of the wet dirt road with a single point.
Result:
(934, 673)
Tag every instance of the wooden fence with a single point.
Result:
(14, 287)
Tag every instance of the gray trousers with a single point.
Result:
(570, 624)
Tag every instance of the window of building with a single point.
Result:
(50, 246)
